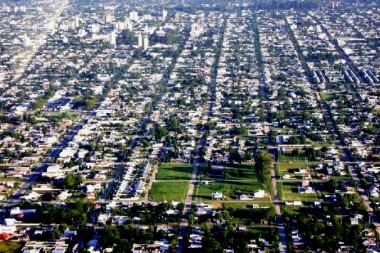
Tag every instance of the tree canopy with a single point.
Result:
(262, 166)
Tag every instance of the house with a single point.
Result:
(217, 195)
(63, 195)
(9, 222)
(17, 211)
(307, 189)
(354, 221)
(259, 194)
(31, 196)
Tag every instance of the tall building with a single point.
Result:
(146, 43)
(77, 22)
(112, 39)
(119, 25)
(94, 28)
(108, 18)
(146, 29)
(164, 14)
(128, 25)
(140, 40)
(25, 41)
(134, 15)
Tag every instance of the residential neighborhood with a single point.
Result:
(189, 126)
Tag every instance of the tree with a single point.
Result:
(69, 182)
(332, 184)
(90, 103)
(111, 235)
(248, 155)
(62, 227)
(72, 182)
(191, 218)
(171, 37)
(262, 166)
(123, 246)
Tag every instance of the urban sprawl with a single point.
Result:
(189, 126)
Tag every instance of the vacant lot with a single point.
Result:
(227, 171)
(168, 191)
(10, 247)
(174, 171)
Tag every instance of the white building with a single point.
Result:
(146, 43)
(25, 41)
(164, 14)
(139, 40)
(94, 28)
(134, 15)
(196, 30)
(7, 229)
(112, 39)
(259, 194)
(108, 18)
(76, 22)
(128, 25)
(217, 195)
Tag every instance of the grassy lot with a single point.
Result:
(264, 231)
(286, 168)
(289, 191)
(11, 247)
(327, 96)
(174, 171)
(169, 191)
(280, 192)
(239, 171)
(229, 171)
(229, 189)
(243, 205)
(65, 115)
(294, 210)
(292, 158)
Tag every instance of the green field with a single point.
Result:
(11, 247)
(168, 191)
(327, 96)
(229, 189)
(244, 204)
(231, 171)
(174, 171)
(287, 168)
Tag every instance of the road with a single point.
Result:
(345, 149)
(277, 202)
(15, 198)
(120, 167)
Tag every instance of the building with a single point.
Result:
(112, 39)
(108, 18)
(146, 43)
(259, 194)
(94, 28)
(128, 25)
(164, 14)
(139, 40)
(25, 41)
(217, 195)
(7, 229)
(196, 30)
(134, 15)
(76, 22)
